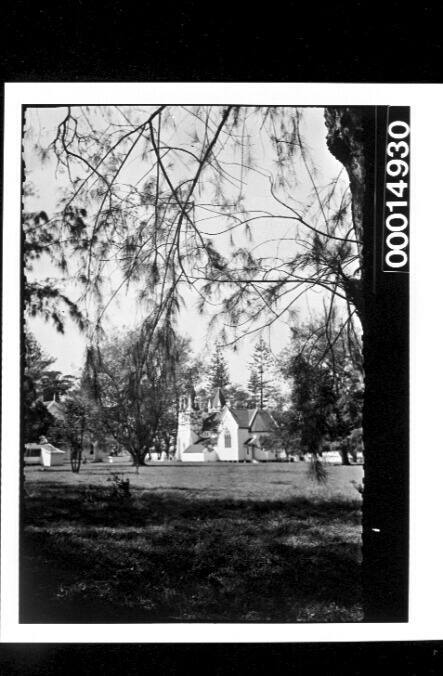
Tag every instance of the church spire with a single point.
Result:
(218, 399)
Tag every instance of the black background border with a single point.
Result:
(106, 42)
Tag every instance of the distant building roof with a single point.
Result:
(55, 409)
(51, 449)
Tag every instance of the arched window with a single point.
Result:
(227, 440)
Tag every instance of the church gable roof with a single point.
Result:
(253, 419)
(262, 421)
(242, 416)
(194, 448)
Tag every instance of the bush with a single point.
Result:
(120, 488)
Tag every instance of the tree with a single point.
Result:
(384, 303)
(45, 298)
(154, 226)
(55, 385)
(260, 369)
(36, 417)
(325, 368)
(43, 239)
(75, 426)
(132, 380)
(238, 397)
(286, 435)
(41, 384)
(218, 375)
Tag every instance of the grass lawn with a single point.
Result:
(191, 543)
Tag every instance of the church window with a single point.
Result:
(227, 440)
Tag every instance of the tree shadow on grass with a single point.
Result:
(98, 505)
(90, 557)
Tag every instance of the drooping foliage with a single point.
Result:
(327, 387)
(162, 193)
(133, 380)
(47, 297)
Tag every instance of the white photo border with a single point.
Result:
(426, 330)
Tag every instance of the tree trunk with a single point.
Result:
(344, 456)
(76, 459)
(354, 136)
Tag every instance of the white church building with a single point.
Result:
(223, 433)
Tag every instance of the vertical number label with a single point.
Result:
(396, 212)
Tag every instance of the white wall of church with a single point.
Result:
(237, 452)
(227, 425)
(243, 435)
(194, 457)
(187, 432)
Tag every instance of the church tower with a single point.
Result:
(217, 400)
(189, 422)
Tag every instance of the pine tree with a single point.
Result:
(36, 417)
(218, 370)
(260, 378)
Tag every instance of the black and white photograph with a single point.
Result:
(214, 315)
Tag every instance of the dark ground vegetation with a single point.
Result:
(179, 547)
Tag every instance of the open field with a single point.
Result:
(191, 543)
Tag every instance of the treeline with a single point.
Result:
(128, 393)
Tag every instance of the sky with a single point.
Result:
(125, 311)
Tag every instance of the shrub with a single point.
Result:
(120, 488)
